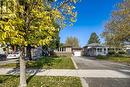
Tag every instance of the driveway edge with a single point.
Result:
(83, 82)
(75, 65)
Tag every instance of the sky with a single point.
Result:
(92, 16)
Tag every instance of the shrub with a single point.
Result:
(101, 57)
(117, 54)
(122, 52)
(111, 53)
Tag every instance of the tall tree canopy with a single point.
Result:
(72, 41)
(33, 22)
(117, 30)
(94, 38)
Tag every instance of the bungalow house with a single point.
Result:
(77, 51)
(68, 51)
(63, 51)
(127, 46)
(95, 49)
(36, 52)
(98, 49)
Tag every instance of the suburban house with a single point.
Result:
(127, 46)
(95, 49)
(68, 51)
(77, 51)
(63, 51)
(36, 52)
(98, 49)
(2, 50)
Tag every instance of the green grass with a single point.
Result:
(120, 59)
(40, 81)
(116, 59)
(46, 63)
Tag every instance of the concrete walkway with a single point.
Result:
(69, 72)
(9, 61)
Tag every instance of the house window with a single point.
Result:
(64, 49)
(99, 49)
(105, 49)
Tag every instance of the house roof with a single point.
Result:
(94, 45)
(67, 46)
(127, 46)
(76, 48)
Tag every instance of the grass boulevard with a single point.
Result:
(43, 81)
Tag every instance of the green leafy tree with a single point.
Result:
(117, 29)
(94, 38)
(61, 44)
(72, 41)
(55, 43)
(32, 22)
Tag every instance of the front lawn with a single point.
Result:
(115, 59)
(120, 59)
(41, 81)
(46, 63)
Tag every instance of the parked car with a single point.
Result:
(3, 57)
(13, 55)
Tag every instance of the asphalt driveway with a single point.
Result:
(90, 63)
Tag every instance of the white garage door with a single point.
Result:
(77, 53)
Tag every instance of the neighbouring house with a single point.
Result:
(36, 52)
(77, 51)
(2, 50)
(10, 49)
(3, 53)
(63, 51)
(127, 46)
(98, 49)
(68, 51)
(95, 49)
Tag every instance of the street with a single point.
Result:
(90, 63)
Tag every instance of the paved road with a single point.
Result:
(88, 63)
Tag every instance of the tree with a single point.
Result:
(94, 38)
(117, 29)
(61, 44)
(55, 42)
(32, 22)
(72, 41)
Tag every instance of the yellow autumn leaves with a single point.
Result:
(30, 23)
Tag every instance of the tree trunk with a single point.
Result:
(14, 48)
(29, 52)
(22, 69)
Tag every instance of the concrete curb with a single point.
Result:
(75, 65)
(83, 82)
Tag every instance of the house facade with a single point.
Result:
(127, 46)
(77, 51)
(68, 51)
(98, 49)
(95, 50)
(63, 51)
(36, 52)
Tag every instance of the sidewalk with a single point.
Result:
(9, 61)
(69, 72)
